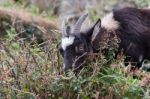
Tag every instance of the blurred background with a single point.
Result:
(72, 9)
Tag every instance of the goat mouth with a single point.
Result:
(75, 67)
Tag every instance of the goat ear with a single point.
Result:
(97, 33)
(90, 33)
(66, 30)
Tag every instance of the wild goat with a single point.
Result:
(131, 26)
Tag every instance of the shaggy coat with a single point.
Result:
(132, 27)
(134, 33)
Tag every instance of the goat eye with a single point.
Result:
(79, 49)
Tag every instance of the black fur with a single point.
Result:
(134, 33)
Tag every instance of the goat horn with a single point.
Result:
(64, 29)
(78, 24)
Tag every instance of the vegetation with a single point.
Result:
(142, 3)
(33, 71)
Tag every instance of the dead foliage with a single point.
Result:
(26, 24)
(145, 81)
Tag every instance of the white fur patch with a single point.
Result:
(66, 41)
(109, 22)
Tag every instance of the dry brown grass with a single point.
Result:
(22, 20)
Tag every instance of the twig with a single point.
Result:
(77, 60)
(20, 91)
